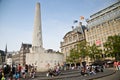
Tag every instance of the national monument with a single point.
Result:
(38, 56)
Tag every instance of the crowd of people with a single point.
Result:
(84, 70)
(15, 72)
(55, 71)
(91, 70)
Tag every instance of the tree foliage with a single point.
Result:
(74, 57)
(82, 49)
(94, 52)
(112, 46)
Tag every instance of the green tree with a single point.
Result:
(112, 46)
(94, 52)
(74, 56)
(82, 49)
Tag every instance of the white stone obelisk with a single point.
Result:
(38, 56)
(37, 43)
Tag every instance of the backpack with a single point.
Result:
(17, 75)
(3, 78)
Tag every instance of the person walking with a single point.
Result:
(17, 76)
(119, 65)
(19, 69)
(116, 65)
(23, 72)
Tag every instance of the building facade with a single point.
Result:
(71, 39)
(15, 58)
(20, 56)
(25, 48)
(2, 56)
(103, 24)
(9, 60)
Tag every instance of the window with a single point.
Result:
(70, 39)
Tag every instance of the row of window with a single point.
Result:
(107, 24)
(68, 48)
(70, 38)
(105, 17)
(103, 30)
(101, 35)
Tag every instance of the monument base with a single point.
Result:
(44, 61)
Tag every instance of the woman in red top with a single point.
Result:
(116, 65)
(19, 69)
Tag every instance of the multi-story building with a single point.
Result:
(16, 58)
(2, 56)
(9, 60)
(25, 48)
(20, 56)
(71, 39)
(103, 24)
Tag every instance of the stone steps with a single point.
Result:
(67, 72)
(75, 75)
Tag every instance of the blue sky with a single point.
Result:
(17, 19)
